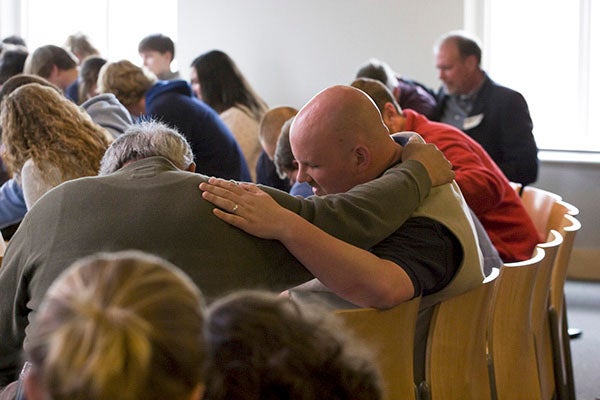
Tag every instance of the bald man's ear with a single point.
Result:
(362, 156)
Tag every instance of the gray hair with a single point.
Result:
(143, 140)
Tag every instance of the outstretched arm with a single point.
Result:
(354, 274)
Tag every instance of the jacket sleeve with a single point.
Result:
(368, 213)
(520, 163)
(12, 203)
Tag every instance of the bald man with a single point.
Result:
(340, 141)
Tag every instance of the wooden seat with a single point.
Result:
(540, 315)
(563, 221)
(510, 332)
(390, 335)
(457, 364)
(539, 204)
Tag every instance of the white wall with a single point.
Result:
(290, 50)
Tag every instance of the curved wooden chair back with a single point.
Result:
(540, 315)
(390, 335)
(457, 363)
(539, 203)
(568, 226)
(510, 332)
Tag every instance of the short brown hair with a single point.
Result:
(128, 82)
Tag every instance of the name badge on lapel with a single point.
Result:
(472, 121)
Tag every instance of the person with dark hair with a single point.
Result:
(408, 93)
(286, 164)
(215, 149)
(16, 40)
(57, 65)
(495, 116)
(485, 188)
(218, 82)
(158, 52)
(86, 87)
(12, 61)
(263, 346)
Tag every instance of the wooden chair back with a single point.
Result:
(539, 204)
(540, 315)
(457, 363)
(390, 335)
(510, 332)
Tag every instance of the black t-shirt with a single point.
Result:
(427, 250)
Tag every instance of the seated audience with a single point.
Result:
(495, 116)
(485, 188)
(81, 46)
(218, 82)
(286, 164)
(48, 140)
(434, 254)
(86, 87)
(145, 200)
(215, 150)
(269, 129)
(126, 325)
(262, 346)
(408, 93)
(54, 64)
(158, 52)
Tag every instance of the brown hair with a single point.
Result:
(128, 82)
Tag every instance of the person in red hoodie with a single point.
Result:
(485, 188)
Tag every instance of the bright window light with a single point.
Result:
(552, 57)
(114, 27)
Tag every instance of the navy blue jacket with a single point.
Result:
(215, 149)
(505, 130)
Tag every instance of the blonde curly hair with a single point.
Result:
(42, 125)
(128, 82)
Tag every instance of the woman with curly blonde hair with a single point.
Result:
(48, 140)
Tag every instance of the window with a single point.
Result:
(114, 27)
(550, 53)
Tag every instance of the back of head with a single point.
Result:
(284, 158)
(270, 126)
(40, 124)
(143, 140)
(157, 42)
(377, 92)
(19, 80)
(88, 76)
(80, 45)
(44, 58)
(128, 82)
(379, 70)
(12, 61)
(467, 44)
(16, 40)
(263, 346)
(223, 86)
(119, 326)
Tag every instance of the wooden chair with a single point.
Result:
(457, 364)
(510, 332)
(567, 226)
(540, 320)
(539, 203)
(390, 335)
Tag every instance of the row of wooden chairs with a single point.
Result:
(506, 339)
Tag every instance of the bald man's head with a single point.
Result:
(340, 140)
